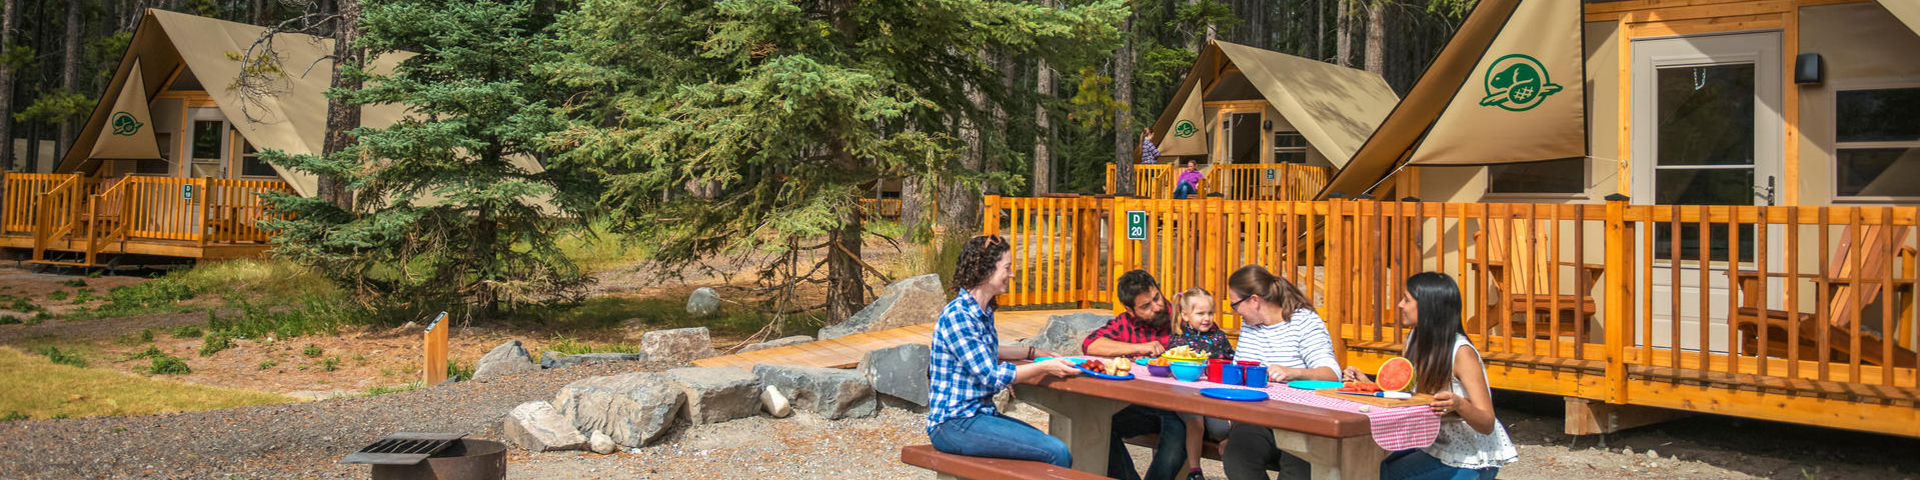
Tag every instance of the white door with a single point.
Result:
(1706, 130)
(206, 137)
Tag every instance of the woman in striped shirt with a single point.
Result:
(1280, 329)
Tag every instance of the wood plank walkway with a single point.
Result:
(846, 352)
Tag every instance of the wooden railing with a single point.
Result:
(1264, 181)
(65, 208)
(1610, 302)
(885, 207)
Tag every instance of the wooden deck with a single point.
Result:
(78, 220)
(846, 352)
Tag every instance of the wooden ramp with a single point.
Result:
(845, 352)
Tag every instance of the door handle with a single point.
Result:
(1766, 193)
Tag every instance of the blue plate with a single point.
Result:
(1095, 374)
(1314, 384)
(1238, 394)
(1141, 361)
(1073, 360)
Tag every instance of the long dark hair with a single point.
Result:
(1256, 280)
(1430, 348)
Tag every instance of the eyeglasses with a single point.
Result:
(1235, 305)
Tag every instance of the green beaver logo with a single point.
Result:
(1184, 129)
(1517, 83)
(125, 125)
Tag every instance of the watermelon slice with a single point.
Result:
(1395, 375)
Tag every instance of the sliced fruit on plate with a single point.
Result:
(1396, 375)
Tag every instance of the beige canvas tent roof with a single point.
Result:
(293, 120)
(1334, 107)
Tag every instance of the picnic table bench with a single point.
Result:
(948, 465)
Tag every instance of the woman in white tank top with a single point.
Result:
(1472, 443)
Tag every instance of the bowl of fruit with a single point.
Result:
(1158, 367)
(1185, 353)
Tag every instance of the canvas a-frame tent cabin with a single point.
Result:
(1762, 159)
(1263, 124)
(167, 164)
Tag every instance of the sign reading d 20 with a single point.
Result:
(186, 192)
(1136, 225)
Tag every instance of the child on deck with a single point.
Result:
(1471, 444)
(1194, 328)
(1188, 182)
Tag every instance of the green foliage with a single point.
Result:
(330, 363)
(76, 283)
(312, 350)
(168, 365)
(458, 372)
(156, 296)
(187, 331)
(9, 320)
(58, 295)
(68, 357)
(83, 295)
(146, 335)
(14, 415)
(268, 364)
(309, 316)
(54, 106)
(478, 116)
(215, 343)
(18, 304)
(379, 390)
(39, 317)
(150, 352)
(565, 345)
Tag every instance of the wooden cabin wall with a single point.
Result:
(1862, 46)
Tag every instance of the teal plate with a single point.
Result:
(1314, 384)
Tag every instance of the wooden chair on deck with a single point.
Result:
(1841, 286)
(1520, 264)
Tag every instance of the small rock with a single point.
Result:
(1626, 450)
(775, 403)
(633, 408)
(507, 359)
(793, 340)
(601, 443)
(537, 427)
(677, 345)
(833, 393)
(718, 394)
(904, 303)
(704, 301)
(1652, 455)
(556, 360)
(899, 372)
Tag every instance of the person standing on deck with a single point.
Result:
(1143, 330)
(969, 366)
(1148, 153)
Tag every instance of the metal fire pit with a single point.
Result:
(433, 456)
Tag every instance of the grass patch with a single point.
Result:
(186, 331)
(58, 295)
(458, 372)
(151, 352)
(215, 343)
(11, 416)
(75, 283)
(330, 364)
(68, 357)
(84, 295)
(9, 320)
(61, 390)
(379, 390)
(609, 311)
(595, 249)
(168, 365)
(18, 304)
(565, 345)
(268, 364)
(312, 350)
(158, 296)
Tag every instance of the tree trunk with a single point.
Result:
(69, 75)
(960, 204)
(1343, 34)
(6, 84)
(342, 117)
(1124, 137)
(995, 145)
(913, 204)
(1042, 129)
(1377, 37)
(846, 281)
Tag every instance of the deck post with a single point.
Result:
(1336, 312)
(435, 352)
(200, 198)
(1121, 248)
(1618, 318)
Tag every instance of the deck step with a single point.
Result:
(60, 263)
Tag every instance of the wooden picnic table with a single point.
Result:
(1339, 444)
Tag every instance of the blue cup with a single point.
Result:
(1257, 376)
(1232, 374)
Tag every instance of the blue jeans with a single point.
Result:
(1168, 456)
(1417, 465)
(1184, 189)
(999, 436)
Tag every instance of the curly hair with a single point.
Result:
(977, 260)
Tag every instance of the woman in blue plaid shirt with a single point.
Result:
(969, 366)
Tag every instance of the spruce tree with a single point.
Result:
(443, 216)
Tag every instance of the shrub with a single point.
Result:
(58, 295)
(76, 283)
(19, 304)
(151, 352)
(457, 372)
(83, 295)
(268, 364)
(378, 390)
(312, 350)
(330, 364)
(169, 365)
(11, 416)
(214, 344)
(146, 335)
(147, 297)
(39, 317)
(64, 358)
(9, 320)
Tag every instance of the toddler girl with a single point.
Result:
(1194, 327)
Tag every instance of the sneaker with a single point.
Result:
(1195, 475)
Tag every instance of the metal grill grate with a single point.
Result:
(403, 448)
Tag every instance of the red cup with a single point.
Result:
(1246, 363)
(1213, 369)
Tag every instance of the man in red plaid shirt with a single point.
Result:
(1143, 330)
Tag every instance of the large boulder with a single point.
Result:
(704, 301)
(718, 394)
(907, 302)
(899, 372)
(537, 427)
(1063, 333)
(552, 359)
(507, 359)
(793, 340)
(677, 345)
(830, 392)
(633, 408)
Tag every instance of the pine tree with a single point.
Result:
(791, 107)
(443, 217)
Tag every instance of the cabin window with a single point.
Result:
(1289, 147)
(1556, 177)
(1877, 143)
(250, 163)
